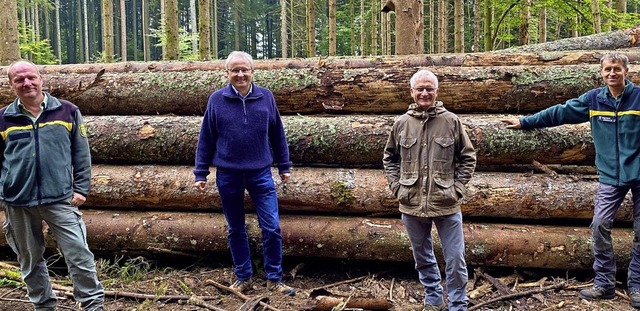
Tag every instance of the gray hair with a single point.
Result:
(20, 61)
(235, 54)
(423, 73)
(615, 57)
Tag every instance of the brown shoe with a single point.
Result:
(597, 293)
(240, 286)
(281, 288)
(440, 307)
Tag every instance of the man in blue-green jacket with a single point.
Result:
(614, 114)
(46, 174)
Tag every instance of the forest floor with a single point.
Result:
(139, 283)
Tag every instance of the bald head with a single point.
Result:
(21, 63)
(25, 80)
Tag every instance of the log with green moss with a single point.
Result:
(611, 40)
(352, 238)
(349, 192)
(341, 141)
(481, 59)
(320, 89)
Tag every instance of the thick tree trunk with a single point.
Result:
(354, 238)
(613, 40)
(494, 58)
(345, 141)
(357, 88)
(348, 192)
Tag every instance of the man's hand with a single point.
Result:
(285, 177)
(199, 185)
(78, 199)
(512, 123)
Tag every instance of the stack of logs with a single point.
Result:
(143, 121)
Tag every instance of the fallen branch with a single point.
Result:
(519, 294)
(29, 302)
(196, 301)
(239, 294)
(545, 169)
(502, 288)
(327, 303)
(68, 291)
(347, 281)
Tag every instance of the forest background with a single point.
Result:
(94, 31)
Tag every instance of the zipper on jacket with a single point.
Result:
(36, 142)
(244, 110)
(618, 166)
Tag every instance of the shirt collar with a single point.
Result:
(238, 93)
(43, 104)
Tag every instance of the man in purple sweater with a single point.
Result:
(242, 136)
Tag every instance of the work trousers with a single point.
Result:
(261, 188)
(23, 230)
(608, 201)
(452, 239)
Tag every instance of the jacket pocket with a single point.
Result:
(444, 193)
(443, 154)
(408, 192)
(409, 157)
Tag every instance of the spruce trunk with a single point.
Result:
(324, 191)
(353, 238)
(344, 141)
(313, 90)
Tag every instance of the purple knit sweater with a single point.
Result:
(241, 133)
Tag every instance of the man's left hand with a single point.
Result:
(285, 177)
(78, 199)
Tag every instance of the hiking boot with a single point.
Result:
(634, 295)
(440, 307)
(240, 285)
(281, 288)
(597, 293)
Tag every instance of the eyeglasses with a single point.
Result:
(428, 89)
(239, 71)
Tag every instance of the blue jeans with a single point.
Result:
(23, 230)
(608, 200)
(259, 183)
(452, 240)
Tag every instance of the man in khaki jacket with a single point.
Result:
(428, 160)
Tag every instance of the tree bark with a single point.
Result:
(353, 238)
(332, 85)
(613, 40)
(10, 43)
(344, 141)
(341, 191)
(329, 303)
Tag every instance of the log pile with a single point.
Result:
(143, 121)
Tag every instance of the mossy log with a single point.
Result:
(320, 89)
(353, 238)
(348, 192)
(342, 141)
(611, 40)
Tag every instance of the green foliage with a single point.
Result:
(184, 43)
(38, 51)
(100, 58)
(133, 269)
(10, 283)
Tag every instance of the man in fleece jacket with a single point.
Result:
(242, 136)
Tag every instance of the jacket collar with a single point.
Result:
(231, 92)
(417, 112)
(13, 109)
(604, 94)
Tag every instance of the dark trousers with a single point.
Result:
(260, 185)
